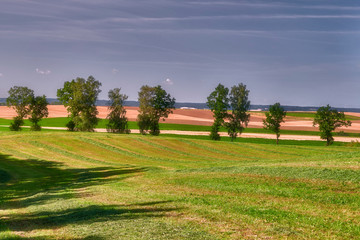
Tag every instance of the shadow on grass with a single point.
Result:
(51, 237)
(150, 203)
(81, 215)
(35, 182)
(4, 176)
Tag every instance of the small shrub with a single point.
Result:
(71, 126)
(354, 143)
(16, 125)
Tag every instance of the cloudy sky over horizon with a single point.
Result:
(303, 53)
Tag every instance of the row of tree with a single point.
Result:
(219, 101)
(79, 96)
(25, 103)
(230, 109)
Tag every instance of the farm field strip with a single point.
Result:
(183, 126)
(306, 137)
(52, 124)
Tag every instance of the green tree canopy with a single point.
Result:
(155, 103)
(79, 97)
(240, 105)
(118, 122)
(20, 99)
(274, 117)
(328, 120)
(218, 102)
(38, 110)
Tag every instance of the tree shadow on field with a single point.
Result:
(35, 182)
(81, 215)
(32, 181)
(52, 237)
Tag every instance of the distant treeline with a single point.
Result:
(55, 101)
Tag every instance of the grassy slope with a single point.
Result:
(105, 186)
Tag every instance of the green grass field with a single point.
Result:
(62, 121)
(61, 185)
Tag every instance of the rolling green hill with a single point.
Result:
(61, 185)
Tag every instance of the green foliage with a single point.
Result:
(274, 118)
(20, 99)
(143, 122)
(155, 103)
(218, 102)
(38, 110)
(354, 143)
(71, 126)
(16, 124)
(328, 120)
(79, 97)
(118, 122)
(214, 132)
(162, 103)
(240, 105)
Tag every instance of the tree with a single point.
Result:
(20, 99)
(145, 97)
(38, 110)
(118, 122)
(79, 97)
(155, 103)
(274, 118)
(240, 105)
(218, 102)
(328, 120)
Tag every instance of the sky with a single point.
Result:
(299, 52)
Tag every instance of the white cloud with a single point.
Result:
(168, 81)
(1, 74)
(42, 72)
(115, 71)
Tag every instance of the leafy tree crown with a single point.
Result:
(218, 101)
(20, 99)
(239, 117)
(154, 103)
(328, 120)
(79, 97)
(274, 117)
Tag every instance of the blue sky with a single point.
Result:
(303, 53)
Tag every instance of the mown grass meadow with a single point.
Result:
(61, 185)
